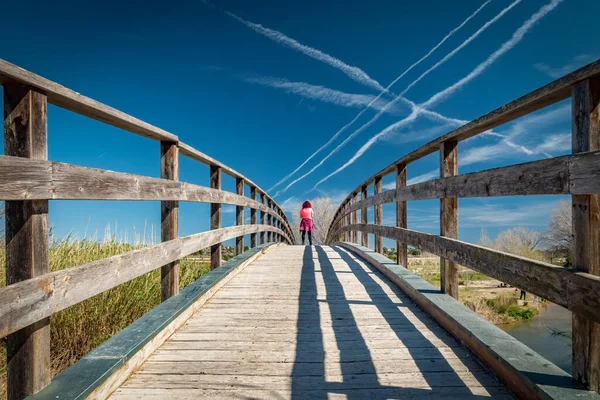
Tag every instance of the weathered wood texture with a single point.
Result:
(23, 179)
(571, 174)
(25, 135)
(253, 241)
(215, 217)
(269, 222)
(169, 215)
(449, 217)
(378, 214)
(296, 324)
(364, 216)
(239, 216)
(568, 288)
(401, 217)
(262, 219)
(586, 231)
(547, 95)
(26, 302)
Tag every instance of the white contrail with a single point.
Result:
(353, 73)
(343, 129)
(516, 38)
(401, 95)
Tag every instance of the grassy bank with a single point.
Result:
(481, 293)
(82, 327)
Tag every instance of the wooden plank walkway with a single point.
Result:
(311, 322)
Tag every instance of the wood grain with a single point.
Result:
(253, 242)
(586, 231)
(449, 217)
(169, 216)
(25, 135)
(401, 217)
(568, 288)
(26, 302)
(364, 216)
(378, 214)
(215, 217)
(239, 216)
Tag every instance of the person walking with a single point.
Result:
(306, 224)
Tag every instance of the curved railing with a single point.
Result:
(577, 174)
(28, 180)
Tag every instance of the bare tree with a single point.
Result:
(323, 211)
(558, 236)
(520, 241)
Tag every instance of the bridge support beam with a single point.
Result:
(239, 216)
(215, 217)
(262, 219)
(269, 222)
(364, 217)
(169, 219)
(253, 243)
(25, 135)
(449, 217)
(586, 231)
(378, 217)
(401, 217)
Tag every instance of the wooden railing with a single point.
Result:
(28, 180)
(578, 175)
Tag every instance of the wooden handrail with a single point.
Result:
(577, 175)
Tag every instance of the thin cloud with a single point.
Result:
(516, 38)
(506, 46)
(557, 72)
(321, 93)
(393, 102)
(352, 72)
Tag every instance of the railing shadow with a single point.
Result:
(320, 359)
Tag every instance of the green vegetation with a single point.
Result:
(82, 327)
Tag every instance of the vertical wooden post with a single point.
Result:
(378, 217)
(401, 217)
(25, 135)
(253, 217)
(262, 219)
(346, 221)
(353, 234)
(449, 217)
(239, 216)
(269, 222)
(586, 231)
(364, 217)
(215, 217)
(169, 219)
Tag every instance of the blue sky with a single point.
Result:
(263, 98)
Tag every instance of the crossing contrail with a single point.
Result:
(343, 129)
(401, 96)
(506, 46)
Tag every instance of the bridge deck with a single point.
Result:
(304, 322)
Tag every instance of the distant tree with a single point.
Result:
(558, 235)
(413, 251)
(520, 241)
(246, 248)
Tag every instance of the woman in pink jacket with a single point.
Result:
(306, 225)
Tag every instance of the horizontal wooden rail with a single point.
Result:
(32, 300)
(549, 94)
(26, 179)
(572, 289)
(571, 174)
(73, 101)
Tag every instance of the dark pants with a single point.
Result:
(309, 237)
(523, 295)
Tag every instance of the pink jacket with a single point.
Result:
(306, 213)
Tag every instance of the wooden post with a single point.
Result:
(269, 222)
(25, 135)
(586, 231)
(378, 217)
(262, 219)
(169, 219)
(346, 221)
(353, 234)
(253, 217)
(449, 217)
(215, 217)
(239, 216)
(401, 217)
(364, 217)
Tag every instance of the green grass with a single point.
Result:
(77, 330)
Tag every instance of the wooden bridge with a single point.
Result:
(283, 321)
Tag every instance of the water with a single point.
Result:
(539, 335)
